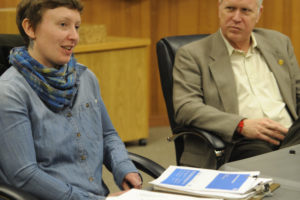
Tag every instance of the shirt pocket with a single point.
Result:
(90, 119)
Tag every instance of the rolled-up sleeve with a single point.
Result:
(116, 156)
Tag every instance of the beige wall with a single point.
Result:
(158, 18)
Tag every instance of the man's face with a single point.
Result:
(237, 20)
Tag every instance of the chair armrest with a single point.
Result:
(215, 141)
(12, 193)
(146, 165)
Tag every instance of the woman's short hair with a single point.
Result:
(33, 10)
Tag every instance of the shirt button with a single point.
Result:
(78, 134)
(91, 179)
(87, 105)
(69, 114)
(83, 157)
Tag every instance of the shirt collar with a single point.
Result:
(230, 47)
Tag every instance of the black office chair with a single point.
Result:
(7, 42)
(166, 49)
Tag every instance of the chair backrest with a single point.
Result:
(166, 50)
(7, 42)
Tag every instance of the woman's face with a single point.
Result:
(55, 36)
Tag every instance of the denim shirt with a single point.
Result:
(58, 155)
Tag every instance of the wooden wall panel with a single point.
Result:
(8, 21)
(121, 17)
(159, 18)
(175, 17)
(8, 3)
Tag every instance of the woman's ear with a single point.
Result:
(28, 28)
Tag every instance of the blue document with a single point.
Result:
(223, 181)
(210, 183)
(228, 181)
(180, 177)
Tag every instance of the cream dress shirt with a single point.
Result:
(257, 89)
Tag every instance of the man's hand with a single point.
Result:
(264, 129)
(132, 180)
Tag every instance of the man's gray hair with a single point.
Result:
(259, 3)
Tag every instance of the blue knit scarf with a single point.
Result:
(56, 87)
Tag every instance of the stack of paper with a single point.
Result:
(211, 183)
(135, 194)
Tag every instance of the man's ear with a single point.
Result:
(28, 28)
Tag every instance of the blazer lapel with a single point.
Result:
(222, 73)
(278, 65)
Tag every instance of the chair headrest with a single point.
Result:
(175, 42)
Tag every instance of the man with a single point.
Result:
(241, 83)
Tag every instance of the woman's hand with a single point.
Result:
(132, 180)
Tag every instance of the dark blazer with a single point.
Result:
(204, 91)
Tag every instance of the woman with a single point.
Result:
(55, 131)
